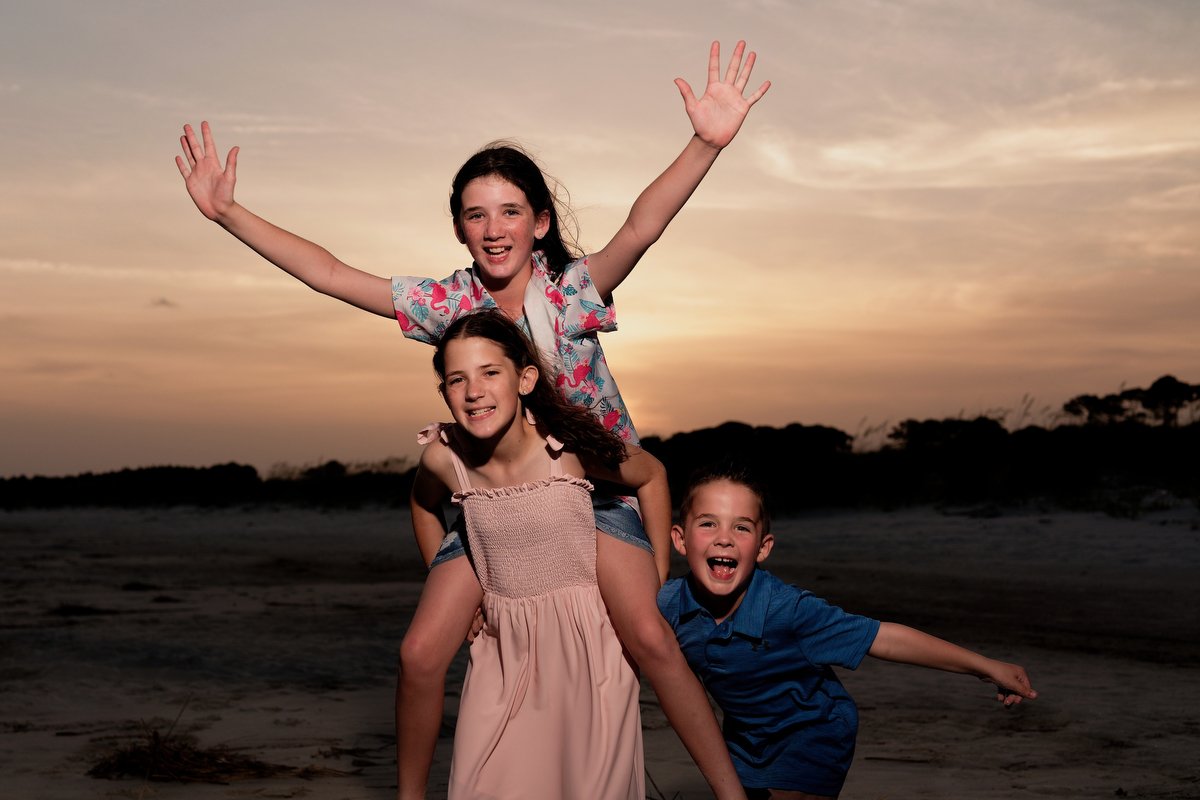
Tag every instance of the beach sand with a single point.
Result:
(273, 632)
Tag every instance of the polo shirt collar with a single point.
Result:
(749, 619)
(688, 607)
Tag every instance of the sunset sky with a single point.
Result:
(940, 208)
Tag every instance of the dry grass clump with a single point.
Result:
(179, 758)
(182, 760)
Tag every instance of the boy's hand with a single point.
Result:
(208, 183)
(718, 114)
(1012, 684)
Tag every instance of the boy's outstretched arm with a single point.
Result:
(716, 117)
(211, 185)
(906, 645)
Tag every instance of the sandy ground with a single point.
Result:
(274, 632)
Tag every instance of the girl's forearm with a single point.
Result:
(308, 262)
(648, 477)
(650, 215)
(425, 504)
(659, 202)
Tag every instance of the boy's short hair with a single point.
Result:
(727, 470)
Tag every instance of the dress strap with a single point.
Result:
(553, 446)
(460, 469)
(444, 431)
(555, 462)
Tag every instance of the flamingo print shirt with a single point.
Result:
(563, 317)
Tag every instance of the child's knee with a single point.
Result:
(650, 641)
(421, 656)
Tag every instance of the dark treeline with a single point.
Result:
(328, 485)
(1116, 452)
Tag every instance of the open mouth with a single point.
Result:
(496, 251)
(722, 568)
(481, 412)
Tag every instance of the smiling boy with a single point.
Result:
(765, 650)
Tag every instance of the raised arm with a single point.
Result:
(211, 185)
(716, 117)
(646, 475)
(906, 645)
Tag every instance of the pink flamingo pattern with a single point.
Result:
(425, 307)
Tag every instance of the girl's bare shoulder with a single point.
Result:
(436, 456)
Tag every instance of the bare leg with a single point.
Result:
(629, 584)
(439, 626)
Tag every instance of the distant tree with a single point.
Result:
(329, 471)
(800, 465)
(948, 435)
(1163, 402)
(1165, 398)
(1093, 410)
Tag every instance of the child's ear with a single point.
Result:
(764, 547)
(677, 540)
(458, 234)
(542, 227)
(529, 377)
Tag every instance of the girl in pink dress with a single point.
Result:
(550, 704)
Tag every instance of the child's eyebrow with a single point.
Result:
(511, 204)
(489, 365)
(714, 515)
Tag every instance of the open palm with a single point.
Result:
(718, 114)
(209, 184)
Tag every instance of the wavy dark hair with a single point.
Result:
(575, 426)
(510, 162)
(727, 470)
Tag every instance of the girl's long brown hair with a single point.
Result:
(508, 161)
(576, 427)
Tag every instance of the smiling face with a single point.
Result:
(723, 539)
(482, 386)
(499, 227)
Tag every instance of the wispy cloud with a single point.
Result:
(143, 276)
(1023, 146)
(1184, 198)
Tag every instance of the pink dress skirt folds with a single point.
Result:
(549, 706)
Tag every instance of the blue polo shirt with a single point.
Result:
(789, 722)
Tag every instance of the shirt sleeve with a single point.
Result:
(425, 307)
(831, 636)
(582, 310)
(668, 601)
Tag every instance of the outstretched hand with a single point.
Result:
(208, 183)
(718, 114)
(1011, 682)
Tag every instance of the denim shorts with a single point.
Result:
(613, 516)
